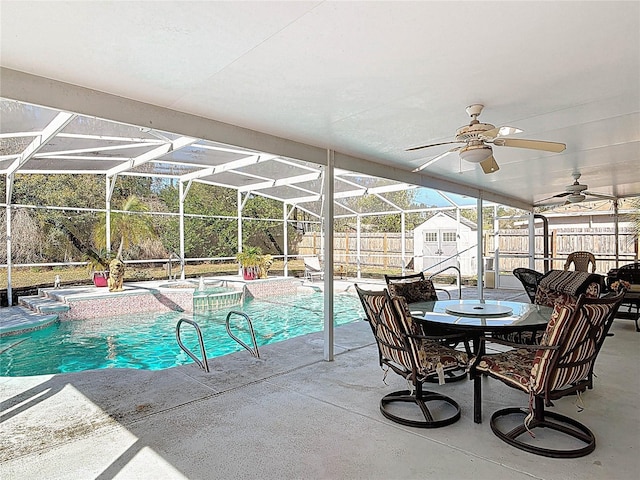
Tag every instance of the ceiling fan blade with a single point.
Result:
(430, 145)
(599, 195)
(436, 158)
(560, 195)
(531, 144)
(489, 165)
(499, 132)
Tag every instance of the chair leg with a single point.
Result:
(544, 419)
(438, 410)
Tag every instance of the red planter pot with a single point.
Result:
(100, 279)
(250, 273)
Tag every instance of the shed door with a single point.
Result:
(437, 246)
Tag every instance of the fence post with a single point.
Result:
(554, 248)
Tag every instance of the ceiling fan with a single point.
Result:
(477, 139)
(577, 192)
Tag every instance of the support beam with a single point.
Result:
(403, 239)
(480, 238)
(50, 131)
(153, 154)
(182, 196)
(109, 184)
(532, 241)
(358, 240)
(307, 177)
(242, 162)
(9, 186)
(240, 204)
(327, 224)
(285, 236)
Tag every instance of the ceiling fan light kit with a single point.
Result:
(476, 153)
(478, 139)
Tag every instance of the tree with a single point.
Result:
(127, 228)
(26, 243)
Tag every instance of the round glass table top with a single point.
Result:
(521, 315)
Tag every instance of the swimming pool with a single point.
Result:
(147, 341)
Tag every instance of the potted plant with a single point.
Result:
(250, 259)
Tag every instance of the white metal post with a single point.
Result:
(109, 182)
(181, 194)
(532, 241)
(9, 190)
(285, 237)
(480, 266)
(328, 256)
(239, 229)
(616, 233)
(358, 250)
(403, 240)
(496, 248)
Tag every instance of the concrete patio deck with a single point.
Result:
(292, 415)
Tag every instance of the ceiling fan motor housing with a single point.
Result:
(575, 198)
(472, 132)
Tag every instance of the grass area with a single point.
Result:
(24, 277)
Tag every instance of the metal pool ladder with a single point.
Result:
(204, 364)
(253, 351)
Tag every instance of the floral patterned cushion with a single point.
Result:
(550, 298)
(512, 367)
(417, 291)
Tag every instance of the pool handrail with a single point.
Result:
(204, 364)
(459, 277)
(253, 351)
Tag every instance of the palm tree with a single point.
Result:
(127, 229)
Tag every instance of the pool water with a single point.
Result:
(148, 341)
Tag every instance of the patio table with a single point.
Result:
(478, 318)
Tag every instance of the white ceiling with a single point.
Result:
(369, 79)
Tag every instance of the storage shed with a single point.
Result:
(437, 241)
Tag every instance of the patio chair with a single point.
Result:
(557, 287)
(312, 268)
(417, 288)
(529, 279)
(414, 287)
(581, 261)
(561, 365)
(404, 350)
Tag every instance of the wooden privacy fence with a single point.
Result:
(599, 241)
(384, 249)
(376, 249)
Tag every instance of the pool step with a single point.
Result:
(20, 319)
(42, 304)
